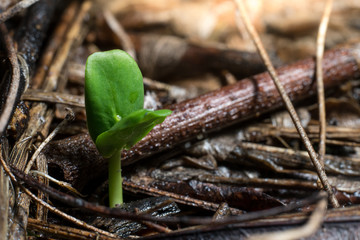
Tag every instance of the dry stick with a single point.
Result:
(332, 132)
(307, 230)
(117, 212)
(41, 165)
(313, 156)
(10, 12)
(63, 232)
(79, 101)
(32, 31)
(288, 158)
(260, 182)
(48, 206)
(15, 80)
(319, 77)
(54, 97)
(153, 225)
(119, 31)
(63, 184)
(246, 99)
(69, 117)
(54, 43)
(182, 199)
(62, 54)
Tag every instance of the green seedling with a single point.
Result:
(114, 99)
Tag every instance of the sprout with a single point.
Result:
(114, 98)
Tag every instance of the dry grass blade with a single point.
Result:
(15, 80)
(307, 230)
(313, 156)
(54, 97)
(319, 78)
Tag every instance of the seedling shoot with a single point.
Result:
(114, 99)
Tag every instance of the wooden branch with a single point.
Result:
(246, 99)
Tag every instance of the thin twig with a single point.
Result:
(54, 97)
(120, 213)
(69, 117)
(307, 230)
(48, 206)
(319, 78)
(54, 43)
(64, 232)
(60, 183)
(15, 80)
(154, 225)
(119, 31)
(313, 156)
(63, 52)
(10, 12)
(186, 200)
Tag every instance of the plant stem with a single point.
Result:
(115, 180)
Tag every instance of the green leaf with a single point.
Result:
(113, 89)
(129, 130)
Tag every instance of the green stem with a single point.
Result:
(115, 180)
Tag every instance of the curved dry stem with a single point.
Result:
(311, 226)
(15, 80)
(287, 102)
(320, 44)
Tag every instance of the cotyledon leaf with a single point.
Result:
(114, 98)
(129, 130)
(113, 89)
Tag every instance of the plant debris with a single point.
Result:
(228, 163)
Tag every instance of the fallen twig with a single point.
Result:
(243, 100)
